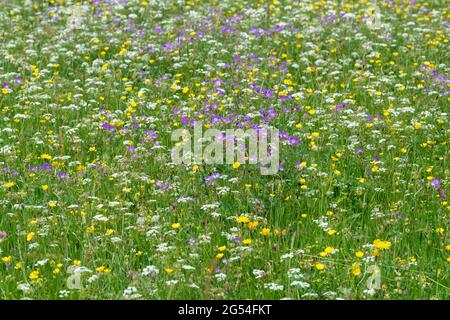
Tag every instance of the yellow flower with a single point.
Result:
(168, 270)
(18, 266)
(247, 241)
(331, 232)
(44, 187)
(9, 184)
(34, 275)
(380, 244)
(320, 266)
(359, 254)
(102, 269)
(329, 249)
(46, 156)
(30, 236)
(52, 204)
(236, 165)
(76, 262)
(356, 271)
(265, 232)
(175, 225)
(252, 225)
(242, 219)
(417, 126)
(222, 248)
(440, 230)
(7, 259)
(219, 256)
(374, 169)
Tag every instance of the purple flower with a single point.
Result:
(152, 134)
(162, 185)
(436, 183)
(299, 165)
(340, 106)
(45, 166)
(63, 175)
(3, 235)
(212, 178)
(400, 216)
(184, 119)
(108, 127)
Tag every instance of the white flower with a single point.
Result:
(220, 276)
(92, 278)
(300, 284)
(295, 273)
(25, 287)
(286, 256)
(100, 217)
(63, 293)
(258, 273)
(41, 263)
(115, 239)
(131, 293)
(150, 270)
(370, 292)
(188, 267)
(273, 286)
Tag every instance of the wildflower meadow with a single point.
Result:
(233, 149)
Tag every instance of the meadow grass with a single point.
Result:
(92, 90)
